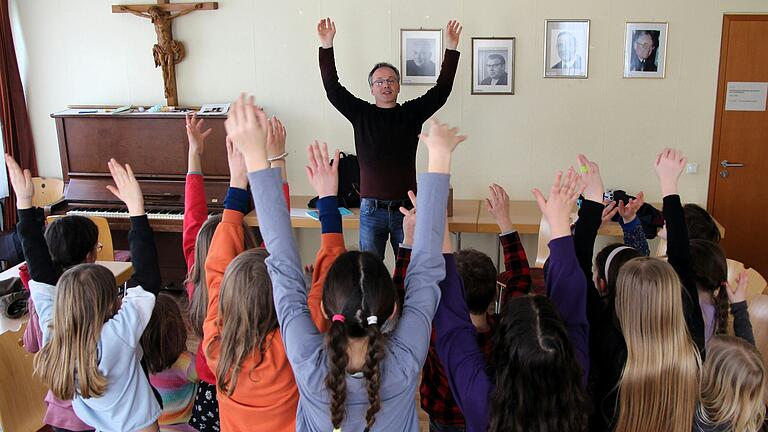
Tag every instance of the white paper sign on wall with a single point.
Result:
(746, 96)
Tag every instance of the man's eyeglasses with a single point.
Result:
(644, 45)
(495, 65)
(381, 82)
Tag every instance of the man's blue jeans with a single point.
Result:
(379, 224)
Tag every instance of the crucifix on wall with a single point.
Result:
(167, 52)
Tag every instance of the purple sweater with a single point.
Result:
(457, 348)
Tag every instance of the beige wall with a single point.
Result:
(79, 52)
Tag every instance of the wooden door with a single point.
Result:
(738, 196)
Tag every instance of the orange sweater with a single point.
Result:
(266, 397)
(331, 246)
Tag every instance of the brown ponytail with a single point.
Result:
(372, 372)
(336, 379)
(722, 308)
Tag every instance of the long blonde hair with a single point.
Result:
(198, 304)
(86, 297)
(659, 386)
(248, 317)
(733, 385)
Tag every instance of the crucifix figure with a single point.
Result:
(166, 52)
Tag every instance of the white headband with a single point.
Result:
(373, 319)
(610, 258)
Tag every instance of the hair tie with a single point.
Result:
(338, 317)
(373, 319)
(610, 258)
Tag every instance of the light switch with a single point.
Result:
(692, 168)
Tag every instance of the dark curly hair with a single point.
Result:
(537, 377)
(478, 273)
(358, 286)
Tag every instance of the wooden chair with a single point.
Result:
(47, 191)
(21, 399)
(107, 252)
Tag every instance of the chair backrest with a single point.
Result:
(542, 245)
(21, 399)
(47, 191)
(107, 252)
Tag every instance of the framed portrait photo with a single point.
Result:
(421, 55)
(566, 48)
(493, 66)
(645, 50)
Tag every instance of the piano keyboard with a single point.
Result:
(123, 214)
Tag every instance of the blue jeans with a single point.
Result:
(377, 225)
(437, 427)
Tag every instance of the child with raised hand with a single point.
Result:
(90, 350)
(657, 308)
(71, 240)
(356, 379)
(241, 342)
(479, 276)
(535, 379)
(733, 381)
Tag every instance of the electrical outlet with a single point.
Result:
(692, 168)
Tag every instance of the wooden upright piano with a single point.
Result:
(155, 145)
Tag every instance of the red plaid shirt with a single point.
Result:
(436, 397)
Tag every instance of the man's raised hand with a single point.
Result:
(326, 30)
(453, 32)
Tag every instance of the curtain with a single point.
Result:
(14, 119)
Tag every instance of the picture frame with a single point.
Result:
(493, 66)
(645, 49)
(421, 56)
(566, 48)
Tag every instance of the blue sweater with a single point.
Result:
(406, 348)
(457, 348)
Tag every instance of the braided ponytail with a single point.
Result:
(336, 379)
(722, 308)
(372, 372)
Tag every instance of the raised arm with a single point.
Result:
(737, 296)
(669, 166)
(30, 226)
(403, 258)
(566, 283)
(195, 207)
(634, 235)
(426, 105)
(344, 101)
(517, 274)
(427, 268)
(227, 242)
(146, 270)
(324, 178)
(247, 125)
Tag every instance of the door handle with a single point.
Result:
(726, 164)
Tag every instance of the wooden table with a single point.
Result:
(121, 270)
(526, 217)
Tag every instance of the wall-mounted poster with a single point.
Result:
(645, 50)
(493, 66)
(566, 48)
(421, 54)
